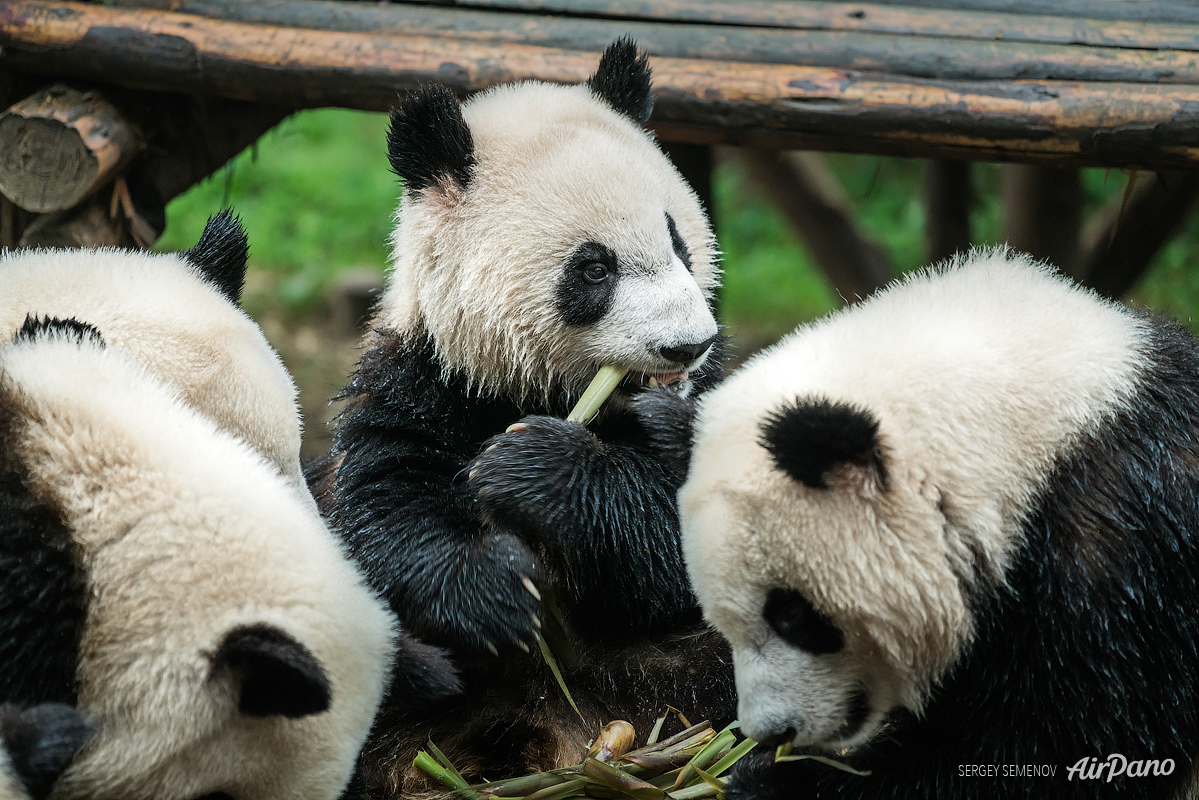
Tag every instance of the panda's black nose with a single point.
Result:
(686, 353)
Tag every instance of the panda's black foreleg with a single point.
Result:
(451, 580)
(603, 512)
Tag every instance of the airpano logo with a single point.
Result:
(1091, 768)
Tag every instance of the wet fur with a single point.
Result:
(406, 504)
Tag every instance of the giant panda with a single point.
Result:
(36, 745)
(541, 234)
(161, 575)
(952, 535)
(178, 314)
(159, 566)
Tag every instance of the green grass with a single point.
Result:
(317, 197)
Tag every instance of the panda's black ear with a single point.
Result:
(277, 674)
(429, 140)
(623, 80)
(222, 253)
(41, 741)
(809, 438)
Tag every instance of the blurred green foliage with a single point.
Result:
(317, 197)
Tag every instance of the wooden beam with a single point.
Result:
(1042, 213)
(948, 197)
(904, 51)
(1118, 247)
(808, 194)
(700, 101)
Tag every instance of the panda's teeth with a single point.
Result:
(654, 382)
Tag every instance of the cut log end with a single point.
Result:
(44, 165)
(60, 145)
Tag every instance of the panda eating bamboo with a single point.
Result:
(542, 235)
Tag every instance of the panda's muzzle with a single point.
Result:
(685, 354)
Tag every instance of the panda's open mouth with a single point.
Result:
(640, 379)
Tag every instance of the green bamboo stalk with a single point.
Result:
(601, 386)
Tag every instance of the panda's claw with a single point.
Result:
(521, 644)
(532, 587)
(516, 426)
(536, 621)
(491, 648)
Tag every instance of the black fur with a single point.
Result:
(676, 241)
(1090, 648)
(222, 254)
(582, 298)
(669, 420)
(793, 617)
(40, 742)
(429, 140)
(807, 438)
(43, 593)
(70, 329)
(278, 675)
(622, 80)
(449, 551)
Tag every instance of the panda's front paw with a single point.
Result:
(668, 420)
(523, 476)
(486, 599)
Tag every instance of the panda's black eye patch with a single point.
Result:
(797, 622)
(587, 285)
(676, 241)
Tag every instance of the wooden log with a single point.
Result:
(807, 192)
(700, 101)
(59, 145)
(1118, 247)
(948, 197)
(910, 54)
(1042, 213)
(87, 225)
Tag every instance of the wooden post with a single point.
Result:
(947, 200)
(807, 192)
(694, 161)
(60, 145)
(1120, 244)
(88, 225)
(1042, 209)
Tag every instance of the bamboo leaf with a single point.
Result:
(553, 665)
(823, 760)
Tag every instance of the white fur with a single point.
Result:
(980, 377)
(477, 269)
(158, 309)
(11, 786)
(183, 533)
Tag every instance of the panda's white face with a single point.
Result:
(575, 244)
(853, 487)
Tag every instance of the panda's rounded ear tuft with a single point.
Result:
(622, 80)
(429, 140)
(277, 674)
(810, 438)
(221, 255)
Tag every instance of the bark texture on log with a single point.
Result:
(1119, 245)
(699, 100)
(948, 196)
(89, 225)
(807, 192)
(60, 145)
(1042, 214)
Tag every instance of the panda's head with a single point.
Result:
(856, 491)
(542, 234)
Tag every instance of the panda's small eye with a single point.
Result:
(595, 272)
(799, 623)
